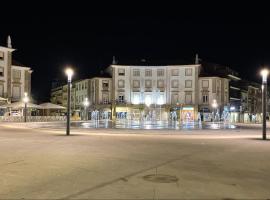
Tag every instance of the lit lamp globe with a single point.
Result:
(25, 98)
(69, 72)
(264, 74)
(86, 102)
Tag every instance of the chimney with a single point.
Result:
(9, 42)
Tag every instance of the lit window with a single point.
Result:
(136, 72)
(148, 72)
(121, 72)
(175, 72)
(160, 83)
(136, 83)
(188, 72)
(148, 83)
(160, 72)
(188, 84)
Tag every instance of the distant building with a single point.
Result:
(15, 78)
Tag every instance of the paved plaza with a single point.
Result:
(40, 162)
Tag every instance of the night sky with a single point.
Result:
(88, 42)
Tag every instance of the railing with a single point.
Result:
(32, 118)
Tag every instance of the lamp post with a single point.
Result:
(69, 73)
(25, 100)
(86, 104)
(214, 105)
(264, 74)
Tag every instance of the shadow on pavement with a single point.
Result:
(260, 139)
(71, 135)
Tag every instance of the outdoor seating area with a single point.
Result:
(14, 112)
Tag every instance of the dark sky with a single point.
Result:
(47, 43)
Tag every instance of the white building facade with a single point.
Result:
(15, 79)
(155, 92)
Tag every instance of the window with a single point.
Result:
(1, 90)
(136, 72)
(188, 98)
(160, 72)
(175, 72)
(175, 83)
(105, 84)
(121, 83)
(148, 83)
(188, 84)
(205, 83)
(188, 72)
(2, 55)
(16, 74)
(121, 72)
(160, 83)
(205, 98)
(16, 92)
(148, 72)
(121, 98)
(1, 71)
(82, 86)
(136, 83)
(105, 98)
(174, 98)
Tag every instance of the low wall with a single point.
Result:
(32, 118)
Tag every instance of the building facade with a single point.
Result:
(15, 78)
(97, 91)
(213, 90)
(155, 92)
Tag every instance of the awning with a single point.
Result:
(19, 105)
(51, 106)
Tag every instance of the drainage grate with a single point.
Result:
(160, 178)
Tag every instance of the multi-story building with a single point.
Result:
(155, 91)
(15, 78)
(213, 90)
(97, 90)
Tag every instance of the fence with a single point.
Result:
(32, 118)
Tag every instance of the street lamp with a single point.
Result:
(25, 100)
(214, 105)
(86, 104)
(264, 74)
(69, 73)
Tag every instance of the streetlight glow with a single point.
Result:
(86, 102)
(214, 104)
(264, 74)
(69, 72)
(25, 98)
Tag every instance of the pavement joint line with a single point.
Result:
(101, 185)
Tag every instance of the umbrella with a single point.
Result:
(18, 105)
(51, 106)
